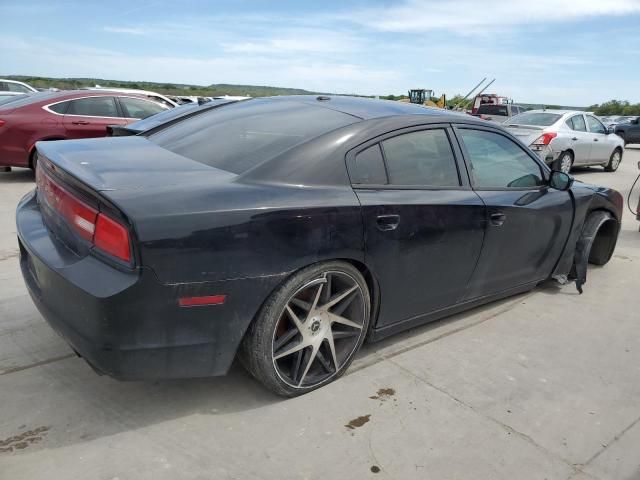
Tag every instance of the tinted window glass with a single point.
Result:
(138, 108)
(60, 108)
(594, 125)
(577, 123)
(369, 167)
(493, 110)
(242, 135)
(421, 158)
(536, 119)
(498, 162)
(93, 107)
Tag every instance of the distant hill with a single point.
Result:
(166, 88)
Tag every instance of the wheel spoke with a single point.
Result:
(294, 318)
(338, 334)
(332, 348)
(296, 366)
(284, 339)
(289, 351)
(301, 303)
(312, 357)
(337, 298)
(317, 297)
(343, 321)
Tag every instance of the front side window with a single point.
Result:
(421, 158)
(595, 126)
(93, 107)
(577, 123)
(138, 108)
(498, 162)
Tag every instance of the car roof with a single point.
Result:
(556, 111)
(368, 108)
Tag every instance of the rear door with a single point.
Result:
(423, 224)
(527, 221)
(600, 149)
(580, 140)
(88, 117)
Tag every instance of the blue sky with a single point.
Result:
(572, 52)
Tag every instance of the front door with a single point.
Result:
(600, 148)
(89, 117)
(423, 224)
(527, 221)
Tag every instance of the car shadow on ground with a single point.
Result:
(17, 175)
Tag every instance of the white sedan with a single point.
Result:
(567, 138)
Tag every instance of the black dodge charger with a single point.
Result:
(286, 231)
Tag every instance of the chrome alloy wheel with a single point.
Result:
(615, 160)
(319, 330)
(566, 162)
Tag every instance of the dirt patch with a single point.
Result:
(383, 394)
(23, 440)
(358, 422)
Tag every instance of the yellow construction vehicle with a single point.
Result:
(422, 96)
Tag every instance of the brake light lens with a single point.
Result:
(2, 122)
(545, 138)
(105, 233)
(112, 238)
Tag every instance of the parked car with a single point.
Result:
(629, 132)
(164, 118)
(61, 116)
(498, 113)
(289, 229)
(156, 97)
(15, 86)
(565, 138)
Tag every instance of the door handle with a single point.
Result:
(386, 223)
(595, 139)
(80, 122)
(574, 138)
(497, 219)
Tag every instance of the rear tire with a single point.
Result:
(614, 161)
(309, 329)
(564, 162)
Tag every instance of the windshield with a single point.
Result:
(493, 110)
(244, 134)
(539, 119)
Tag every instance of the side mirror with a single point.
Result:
(560, 180)
(610, 129)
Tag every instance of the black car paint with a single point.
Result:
(630, 132)
(202, 231)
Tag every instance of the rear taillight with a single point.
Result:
(105, 233)
(545, 138)
(113, 238)
(2, 122)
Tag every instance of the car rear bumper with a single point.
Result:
(546, 154)
(126, 323)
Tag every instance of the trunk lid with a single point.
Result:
(525, 133)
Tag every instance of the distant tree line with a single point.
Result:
(616, 107)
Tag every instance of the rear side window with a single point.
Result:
(138, 108)
(93, 107)
(368, 167)
(577, 123)
(498, 162)
(421, 158)
(244, 134)
(60, 108)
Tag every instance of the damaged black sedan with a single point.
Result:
(286, 231)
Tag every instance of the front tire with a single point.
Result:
(308, 331)
(614, 161)
(564, 162)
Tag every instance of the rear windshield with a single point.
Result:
(172, 114)
(537, 119)
(244, 134)
(30, 98)
(494, 110)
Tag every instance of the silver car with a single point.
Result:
(566, 138)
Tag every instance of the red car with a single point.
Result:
(64, 116)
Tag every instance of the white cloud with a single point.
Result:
(127, 30)
(464, 16)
